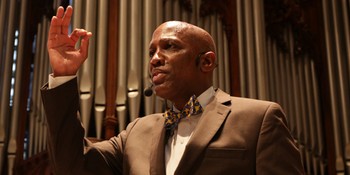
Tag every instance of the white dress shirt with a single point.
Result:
(176, 144)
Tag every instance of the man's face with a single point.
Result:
(172, 65)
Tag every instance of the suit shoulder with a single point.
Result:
(152, 117)
(149, 121)
(254, 107)
(252, 102)
(232, 101)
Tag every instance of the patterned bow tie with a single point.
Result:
(172, 118)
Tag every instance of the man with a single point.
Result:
(219, 134)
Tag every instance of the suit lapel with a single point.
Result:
(157, 162)
(212, 118)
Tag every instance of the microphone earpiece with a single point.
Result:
(148, 91)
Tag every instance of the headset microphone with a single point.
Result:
(148, 91)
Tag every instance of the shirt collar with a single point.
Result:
(204, 98)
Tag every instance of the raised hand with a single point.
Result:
(65, 59)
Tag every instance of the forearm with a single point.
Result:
(66, 134)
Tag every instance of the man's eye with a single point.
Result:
(169, 46)
(151, 54)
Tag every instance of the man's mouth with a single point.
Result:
(158, 76)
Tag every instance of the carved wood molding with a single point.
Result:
(279, 15)
(187, 4)
(208, 7)
(224, 11)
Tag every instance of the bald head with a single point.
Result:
(198, 37)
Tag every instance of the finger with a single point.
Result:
(85, 45)
(53, 31)
(60, 12)
(53, 26)
(66, 20)
(77, 33)
(59, 15)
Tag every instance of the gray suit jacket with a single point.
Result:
(233, 136)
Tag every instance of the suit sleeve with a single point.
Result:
(277, 152)
(69, 151)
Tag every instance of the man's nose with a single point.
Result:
(156, 60)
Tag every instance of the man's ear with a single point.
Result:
(207, 62)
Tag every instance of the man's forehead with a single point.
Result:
(162, 38)
(170, 28)
(168, 31)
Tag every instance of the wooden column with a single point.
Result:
(17, 144)
(3, 15)
(112, 68)
(230, 26)
(5, 96)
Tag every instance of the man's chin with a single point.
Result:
(161, 91)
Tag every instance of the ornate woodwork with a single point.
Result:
(281, 14)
